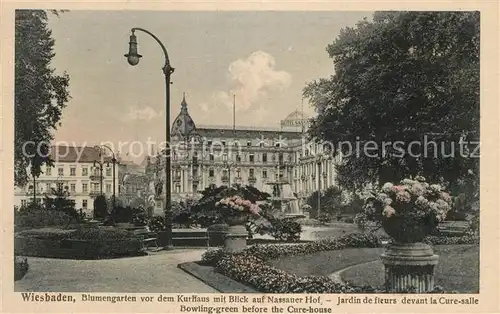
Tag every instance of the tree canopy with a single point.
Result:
(40, 94)
(411, 77)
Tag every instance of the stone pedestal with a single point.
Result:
(409, 265)
(236, 239)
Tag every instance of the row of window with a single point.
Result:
(261, 143)
(85, 171)
(242, 157)
(94, 187)
(84, 203)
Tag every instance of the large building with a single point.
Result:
(77, 172)
(204, 155)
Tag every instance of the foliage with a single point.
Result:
(285, 230)
(412, 200)
(213, 194)
(58, 201)
(55, 210)
(398, 78)
(21, 267)
(140, 216)
(330, 201)
(100, 207)
(235, 206)
(101, 234)
(40, 94)
(157, 224)
(38, 217)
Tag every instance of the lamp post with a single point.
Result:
(113, 161)
(100, 163)
(319, 185)
(133, 59)
(228, 165)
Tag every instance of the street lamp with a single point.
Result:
(113, 161)
(228, 165)
(133, 59)
(319, 184)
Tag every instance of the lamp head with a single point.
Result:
(132, 55)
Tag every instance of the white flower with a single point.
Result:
(408, 182)
(435, 188)
(388, 211)
(386, 188)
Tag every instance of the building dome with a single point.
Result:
(296, 115)
(295, 119)
(183, 125)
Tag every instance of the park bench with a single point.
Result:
(147, 238)
(182, 237)
(452, 228)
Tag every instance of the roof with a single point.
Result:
(183, 125)
(296, 115)
(76, 154)
(245, 132)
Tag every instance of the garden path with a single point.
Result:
(155, 273)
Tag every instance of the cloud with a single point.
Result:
(251, 79)
(143, 113)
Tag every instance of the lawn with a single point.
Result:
(458, 268)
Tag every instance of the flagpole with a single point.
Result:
(234, 112)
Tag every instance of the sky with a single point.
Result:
(264, 58)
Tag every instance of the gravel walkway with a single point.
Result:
(155, 273)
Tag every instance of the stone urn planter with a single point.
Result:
(236, 237)
(409, 263)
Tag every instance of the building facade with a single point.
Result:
(260, 157)
(77, 171)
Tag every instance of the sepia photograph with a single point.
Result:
(270, 152)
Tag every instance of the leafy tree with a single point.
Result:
(40, 94)
(400, 77)
(330, 201)
(58, 200)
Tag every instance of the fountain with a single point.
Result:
(285, 201)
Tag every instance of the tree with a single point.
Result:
(330, 201)
(40, 94)
(411, 77)
(58, 200)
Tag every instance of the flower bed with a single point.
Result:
(250, 266)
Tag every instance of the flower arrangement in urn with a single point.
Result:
(410, 210)
(236, 210)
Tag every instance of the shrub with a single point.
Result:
(82, 243)
(21, 267)
(33, 217)
(101, 234)
(211, 257)
(324, 218)
(157, 224)
(217, 228)
(140, 217)
(100, 207)
(286, 230)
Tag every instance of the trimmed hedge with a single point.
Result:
(82, 243)
(250, 267)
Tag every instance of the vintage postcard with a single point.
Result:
(244, 157)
